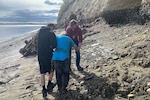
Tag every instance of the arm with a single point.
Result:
(75, 47)
(68, 31)
(80, 38)
(53, 40)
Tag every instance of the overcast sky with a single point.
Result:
(28, 10)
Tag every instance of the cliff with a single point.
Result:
(113, 11)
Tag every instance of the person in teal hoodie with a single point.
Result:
(61, 61)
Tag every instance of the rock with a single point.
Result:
(84, 91)
(82, 83)
(115, 57)
(115, 85)
(124, 77)
(130, 96)
(146, 64)
(107, 92)
(134, 55)
(97, 67)
(129, 80)
(2, 82)
(123, 92)
(143, 62)
(124, 55)
(148, 91)
(148, 84)
(2, 90)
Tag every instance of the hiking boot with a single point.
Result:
(50, 87)
(44, 93)
(80, 68)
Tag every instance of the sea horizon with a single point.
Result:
(26, 23)
(9, 31)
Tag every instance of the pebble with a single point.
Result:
(148, 84)
(130, 96)
(148, 91)
(115, 57)
(82, 83)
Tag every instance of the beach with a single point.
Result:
(106, 56)
(11, 64)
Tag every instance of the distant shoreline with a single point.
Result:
(23, 23)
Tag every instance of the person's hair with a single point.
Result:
(51, 25)
(73, 22)
(63, 33)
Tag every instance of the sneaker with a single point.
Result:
(80, 68)
(50, 87)
(44, 93)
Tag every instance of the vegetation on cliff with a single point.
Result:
(64, 7)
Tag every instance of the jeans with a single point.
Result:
(62, 73)
(77, 57)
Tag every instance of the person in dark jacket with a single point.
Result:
(72, 16)
(46, 44)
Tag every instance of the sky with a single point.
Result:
(29, 10)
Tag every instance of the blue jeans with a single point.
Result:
(62, 73)
(77, 57)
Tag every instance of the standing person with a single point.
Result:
(81, 19)
(75, 33)
(46, 44)
(61, 61)
(72, 16)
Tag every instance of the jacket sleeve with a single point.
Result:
(53, 43)
(80, 38)
(68, 32)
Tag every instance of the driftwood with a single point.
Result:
(30, 47)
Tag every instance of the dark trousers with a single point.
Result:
(62, 73)
(77, 57)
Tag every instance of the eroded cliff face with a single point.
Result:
(145, 9)
(110, 10)
(145, 1)
(121, 4)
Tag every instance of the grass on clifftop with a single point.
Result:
(64, 7)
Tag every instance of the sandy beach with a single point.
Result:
(107, 53)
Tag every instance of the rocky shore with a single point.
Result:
(116, 62)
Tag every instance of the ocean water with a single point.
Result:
(9, 31)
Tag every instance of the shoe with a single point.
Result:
(44, 93)
(80, 68)
(50, 87)
(63, 91)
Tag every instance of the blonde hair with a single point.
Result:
(73, 22)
